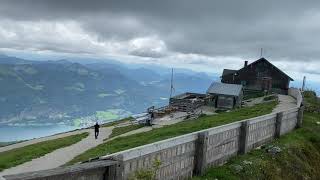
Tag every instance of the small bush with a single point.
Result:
(147, 174)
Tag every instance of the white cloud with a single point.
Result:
(148, 47)
(70, 37)
(65, 36)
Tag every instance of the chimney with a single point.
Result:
(245, 63)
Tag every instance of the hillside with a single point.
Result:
(55, 92)
(295, 155)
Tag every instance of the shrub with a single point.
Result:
(147, 174)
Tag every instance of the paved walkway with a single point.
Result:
(37, 140)
(285, 102)
(61, 156)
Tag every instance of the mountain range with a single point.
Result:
(68, 91)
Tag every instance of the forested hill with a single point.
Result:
(60, 91)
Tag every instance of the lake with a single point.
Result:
(18, 133)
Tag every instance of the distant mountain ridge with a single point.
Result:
(61, 91)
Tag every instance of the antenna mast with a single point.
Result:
(304, 83)
(171, 86)
(261, 51)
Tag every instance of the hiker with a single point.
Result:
(96, 130)
(150, 118)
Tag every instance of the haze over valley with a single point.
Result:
(65, 95)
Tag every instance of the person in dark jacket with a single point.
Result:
(96, 130)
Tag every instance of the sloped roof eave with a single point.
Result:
(263, 59)
(225, 89)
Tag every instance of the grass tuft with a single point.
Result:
(113, 123)
(121, 130)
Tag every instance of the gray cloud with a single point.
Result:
(204, 27)
(287, 29)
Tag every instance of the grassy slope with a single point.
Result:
(18, 156)
(250, 95)
(121, 130)
(123, 143)
(299, 159)
(312, 102)
(113, 123)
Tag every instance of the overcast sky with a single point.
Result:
(204, 35)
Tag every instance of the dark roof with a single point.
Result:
(228, 71)
(226, 89)
(263, 59)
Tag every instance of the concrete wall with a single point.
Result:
(223, 142)
(87, 171)
(183, 156)
(261, 130)
(289, 121)
(294, 92)
(176, 156)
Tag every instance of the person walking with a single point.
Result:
(96, 130)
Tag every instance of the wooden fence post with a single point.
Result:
(111, 172)
(244, 132)
(278, 124)
(201, 153)
(300, 117)
(116, 173)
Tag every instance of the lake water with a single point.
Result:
(17, 133)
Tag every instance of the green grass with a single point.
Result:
(312, 103)
(121, 130)
(299, 158)
(123, 143)
(113, 123)
(269, 98)
(254, 94)
(21, 155)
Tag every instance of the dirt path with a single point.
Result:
(61, 156)
(285, 102)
